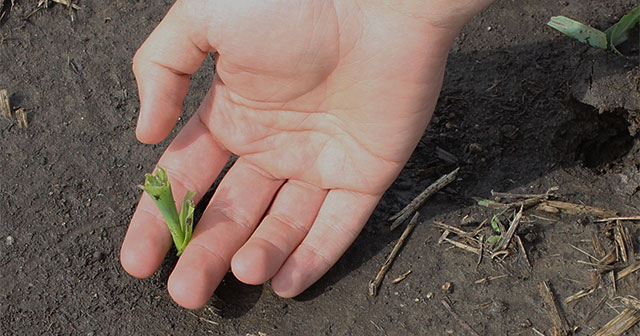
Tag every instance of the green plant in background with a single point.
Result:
(607, 40)
(180, 225)
(498, 228)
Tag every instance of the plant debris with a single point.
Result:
(464, 324)
(560, 323)
(401, 277)
(620, 324)
(375, 284)
(493, 242)
(45, 4)
(417, 202)
(607, 40)
(5, 7)
(5, 107)
(21, 116)
(68, 3)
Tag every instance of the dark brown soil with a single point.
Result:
(511, 113)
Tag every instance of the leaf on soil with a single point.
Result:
(579, 31)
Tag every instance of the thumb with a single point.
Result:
(162, 65)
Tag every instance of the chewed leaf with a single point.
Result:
(180, 225)
(186, 220)
(579, 31)
(495, 223)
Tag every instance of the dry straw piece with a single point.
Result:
(21, 116)
(5, 108)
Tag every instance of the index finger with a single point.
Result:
(162, 65)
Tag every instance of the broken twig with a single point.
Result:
(375, 284)
(555, 313)
(401, 277)
(506, 240)
(417, 202)
(457, 318)
(576, 209)
(611, 219)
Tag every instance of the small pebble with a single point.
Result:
(97, 255)
(9, 240)
(475, 148)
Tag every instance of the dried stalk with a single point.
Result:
(417, 202)
(620, 324)
(375, 284)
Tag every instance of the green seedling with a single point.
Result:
(496, 225)
(493, 239)
(180, 225)
(607, 40)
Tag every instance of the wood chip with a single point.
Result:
(5, 107)
(620, 324)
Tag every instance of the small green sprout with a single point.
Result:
(180, 225)
(607, 40)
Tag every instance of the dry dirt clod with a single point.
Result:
(447, 287)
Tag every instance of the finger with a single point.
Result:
(240, 201)
(193, 161)
(162, 65)
(340, 220)
(280, 232)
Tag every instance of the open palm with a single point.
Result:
(323, 102)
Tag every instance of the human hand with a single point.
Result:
(323, 102)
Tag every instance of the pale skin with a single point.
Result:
(323, 102)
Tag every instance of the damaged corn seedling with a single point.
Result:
(606, 40)
(180, 225)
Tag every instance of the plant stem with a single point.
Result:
(180, 225)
